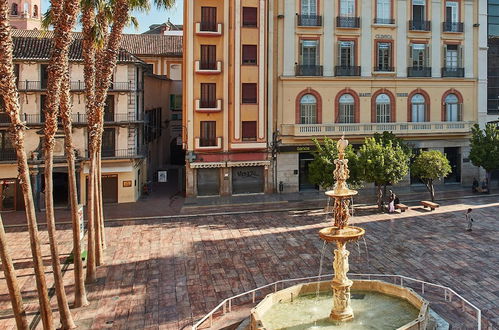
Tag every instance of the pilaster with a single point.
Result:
(289, 37)
(436, 41)
(366, 39)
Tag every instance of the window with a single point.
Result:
(209, 95)
(308, 109)
(419, 56)
(452, 108)
(108, 142)
(309, 52)
(43, 100)
(249, 93)
(383, 108)
(14, 10)
(418, 108)
(109, 109)
(209, 19)
(249, 131)
(16, 73)
(452, 11)
(176, 116)
(249, 54)
(4, 117)
(44, 75)
(208, 57)
(175, 102)
(35, 11)
(383, 12)
(309, 7)
(418, 10)
(347, 109)
(208, 134)
(384, 56)
(250, 17)
(346, 53)
(347, 8)
(452, 57)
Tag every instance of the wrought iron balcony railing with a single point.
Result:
(422, 71)
(109, 152)
(453, 26)
(81, 118)
(347, 22)
(347, 70)
(309, 20)
(8, 154)
(453, 72)
(383, 68)
(30, 85)
(419, 25)
(384, 21)
(309, 70)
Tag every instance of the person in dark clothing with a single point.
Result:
(474, 187)
(469, 219)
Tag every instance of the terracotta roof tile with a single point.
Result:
(153, 44)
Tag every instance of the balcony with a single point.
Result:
(346, 70)
(384, 21)
(203, 106)
(209, 29)
(81, 118)
(208, 144)
(111, 153)
(453, 26)
(384, 68)
(308, 70)
(309, 20)
(29, 85)
(348, 22)
(8, 154)
(368, 129)
(4, 119)
(453, 72)
(418, 71)
(208, 67)
(419, 25)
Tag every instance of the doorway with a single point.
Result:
(61, 189)
(304, 161)
(8, 193)
(453, 154)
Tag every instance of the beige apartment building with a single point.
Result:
(359, 67)
(123, 150)
(225, 97)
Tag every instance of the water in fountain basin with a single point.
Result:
(372, 311)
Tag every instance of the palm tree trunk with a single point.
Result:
(66, 110)
(98, 241)
(8, 90)
(101, 202)
(12, 284)
(91, 262)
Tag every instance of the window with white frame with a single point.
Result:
(452, 11)
(347, 8)
(309, 51)
(309, 7)
(346, 53)
(418, 10)
(347, 109)
(384, 56)
(452, 56)
(383, 11)
(419, 56)
(452, 108)
(418, 108)
(308, 109)
(383, 108)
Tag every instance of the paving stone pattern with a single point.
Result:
(167, 274)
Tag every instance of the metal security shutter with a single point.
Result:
(247, 180)
(208, 181)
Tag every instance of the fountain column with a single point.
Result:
(342, 311)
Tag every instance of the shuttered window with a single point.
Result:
(249, 130)
(208, 134)
(249, 54)
(209, 19)
(250, 16)
(208, 95)
(208, 57)
(249, 93)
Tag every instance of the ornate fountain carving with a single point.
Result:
(341, 233)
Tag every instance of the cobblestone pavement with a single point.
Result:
(167, 274)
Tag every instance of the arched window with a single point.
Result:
(308, 109)
(418, 108)
(452, 108)
(383, 108)
(14, 11)
(35, 11)
(347, 109)
(26, 9)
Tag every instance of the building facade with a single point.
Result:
(360, 67)
(25, 14)
(225, 123)
(123, 149)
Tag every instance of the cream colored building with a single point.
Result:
(359, 67)
(123, 150)
(225, 97)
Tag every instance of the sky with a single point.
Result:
(154, 16)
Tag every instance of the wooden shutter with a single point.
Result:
(411, 61)
(249, 54)
(208, 133)
(250, 16)
(249, 93)
(208, 18)
(249, 130)
(208, 95)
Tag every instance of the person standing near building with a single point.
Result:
(469, 219)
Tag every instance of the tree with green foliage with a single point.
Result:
(485, 148)
(429, 166)
(386, 137)
(382, 164)
(322, 167)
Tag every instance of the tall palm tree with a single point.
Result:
(8, 89)
(65, 111)
(12, 284)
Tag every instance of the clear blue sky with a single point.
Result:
(154, 16)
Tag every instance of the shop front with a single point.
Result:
(11, 198)
(248, 180)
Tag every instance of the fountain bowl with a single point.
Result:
(405, 299)
(343, 235)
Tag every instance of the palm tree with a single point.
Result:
(65, 111)
(64, 17)
(11, 279)
(8, 89)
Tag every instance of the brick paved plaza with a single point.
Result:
(166, 274)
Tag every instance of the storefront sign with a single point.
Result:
(127, 183)
(297, 148)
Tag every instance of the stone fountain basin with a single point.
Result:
(344, 235)
(406, 295)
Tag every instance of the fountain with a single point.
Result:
(381, 305)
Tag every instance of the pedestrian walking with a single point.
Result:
(469, 219)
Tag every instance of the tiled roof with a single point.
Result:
(36, 45)
(152, 44)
